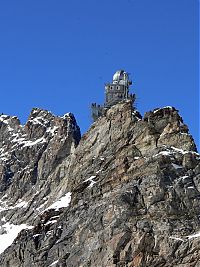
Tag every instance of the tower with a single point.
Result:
(115, 92)
(118, 89)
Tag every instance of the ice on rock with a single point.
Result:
(92, 182)
(11, 232)
(63, 202)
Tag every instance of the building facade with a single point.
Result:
(115, 92)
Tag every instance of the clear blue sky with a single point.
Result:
(57, 55)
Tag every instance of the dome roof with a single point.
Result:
(119, 75)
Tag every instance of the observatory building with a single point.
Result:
(115, 92)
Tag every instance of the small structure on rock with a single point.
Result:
(115, 92)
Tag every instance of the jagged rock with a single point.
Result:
(133, 184)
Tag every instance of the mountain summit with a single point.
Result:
(125, 194)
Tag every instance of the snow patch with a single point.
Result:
(176, 166)
(183, 177)
(164, 153)
(184, 133)
(52, 130)
(173, 150)
(32, 143)
(67, 115)
(21, 204)
(194, 235)
(39, 120)
(156, 110)
(36, 235)
(3, 219)
(4, 118)
(63, 202)
(11, 233)
(92, 182)
(176, 238)
(4, 206)
(50, 222)
(53, 264)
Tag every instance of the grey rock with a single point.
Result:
(134, 186)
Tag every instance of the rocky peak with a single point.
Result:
(23, 147)
(127, 195)
(169, 126)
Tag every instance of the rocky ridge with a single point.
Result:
(29, 154)
(126, 194)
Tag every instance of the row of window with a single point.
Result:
(115, 87)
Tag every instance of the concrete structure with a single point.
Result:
(116, 91)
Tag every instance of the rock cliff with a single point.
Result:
(126, 194)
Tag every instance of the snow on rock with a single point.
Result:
(176, 238)
(63, 202)
(173, 150)
(4, 118)
(39, 120)
(158, 109)
(3, 155)
(3, 219)
(21, 204)
(34, 236)
(183, 151)
(188, 237)
(53, 264)
(5, 206)
(52, 130)
(164, 153)
(50, 222)
(183, 177)
(66, 115)
(194, 235)
(11, 232)
(92, 182)
(176, 166)
(32, 143)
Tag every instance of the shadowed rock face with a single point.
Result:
(133, 184)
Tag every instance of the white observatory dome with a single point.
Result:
(119, 75)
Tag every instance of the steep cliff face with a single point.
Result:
(127, 195)
(29, 156)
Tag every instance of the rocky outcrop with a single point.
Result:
(127, 195)
(29, 154)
